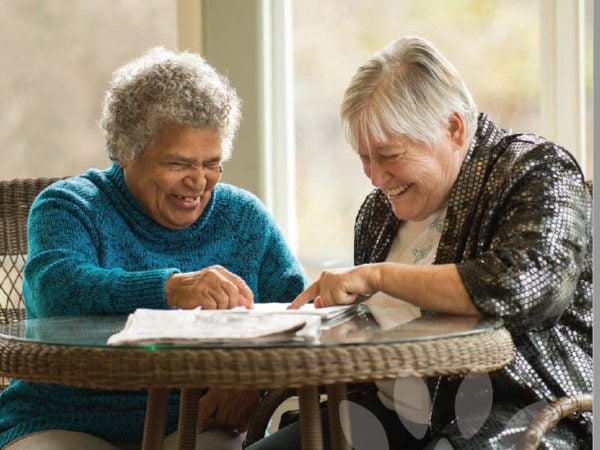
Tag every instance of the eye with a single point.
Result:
(213, 166)
(389, 158)
(177, 165)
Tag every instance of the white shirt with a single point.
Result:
(415, 243)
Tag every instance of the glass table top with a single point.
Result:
(361, 327)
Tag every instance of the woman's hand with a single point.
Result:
(430, 287)
(230, 408)
(211, 288)
(340, 287)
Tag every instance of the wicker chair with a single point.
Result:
(16, 197)
(553, 413)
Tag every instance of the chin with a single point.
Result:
(177, 224)
(402, 214)
(407, 216)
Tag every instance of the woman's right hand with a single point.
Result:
(211, 288)
(340, 287)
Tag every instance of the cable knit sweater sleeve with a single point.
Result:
(76, 241)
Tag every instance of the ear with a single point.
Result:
(456, 129)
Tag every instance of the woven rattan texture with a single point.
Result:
(134, 368)
(264, 414)
(16, 197)
(551, 415)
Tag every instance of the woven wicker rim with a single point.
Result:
(132, 368)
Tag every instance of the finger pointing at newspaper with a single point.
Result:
(335, 287)
(306, 296)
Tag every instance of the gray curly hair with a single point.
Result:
(408, 88)
(163, 88)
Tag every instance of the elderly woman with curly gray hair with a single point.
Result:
(157, 229)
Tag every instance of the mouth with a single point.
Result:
(188, 199)
(397, 191)
(188, 202)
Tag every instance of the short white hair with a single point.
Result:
(407, 89)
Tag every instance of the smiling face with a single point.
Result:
(174, 178)
(417, 179)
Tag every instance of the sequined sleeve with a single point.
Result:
(531, 236)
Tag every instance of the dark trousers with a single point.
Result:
(373, 426)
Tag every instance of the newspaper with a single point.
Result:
(197, 326)
(328, 313)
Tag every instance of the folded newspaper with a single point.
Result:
(197, 326)
(328, 313)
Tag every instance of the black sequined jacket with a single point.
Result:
(519, 229)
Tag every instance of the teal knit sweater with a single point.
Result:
(94, 250)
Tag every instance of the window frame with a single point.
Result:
(562, 77)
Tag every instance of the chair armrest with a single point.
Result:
(267, 406)
(548, 417)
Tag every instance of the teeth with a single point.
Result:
(398, 190)
(187, 199)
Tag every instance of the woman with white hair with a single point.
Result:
(465, 218)
(157, 229)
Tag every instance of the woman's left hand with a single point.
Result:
(231, 408)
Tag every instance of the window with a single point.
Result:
(290, 60)
(494, 45)
(58, 59)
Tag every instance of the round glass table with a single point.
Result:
(74, 351)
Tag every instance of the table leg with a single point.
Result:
(310, 418)
(156, 414)
(338, 415)
(188, 418)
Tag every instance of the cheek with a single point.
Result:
(211, 182)
(424, 170)
(165, 182)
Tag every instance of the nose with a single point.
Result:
(196, 178)
(377, 173)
